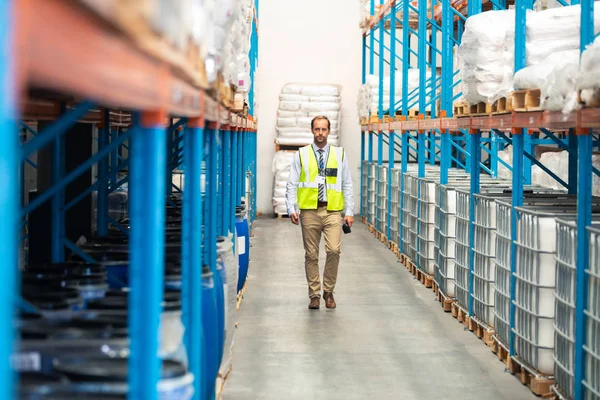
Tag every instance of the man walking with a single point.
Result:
(319, 189)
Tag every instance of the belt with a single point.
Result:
(322, 204)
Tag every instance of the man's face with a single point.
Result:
(320, 131)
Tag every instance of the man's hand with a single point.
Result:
(349, 221)
(295, 219)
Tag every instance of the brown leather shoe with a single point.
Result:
(315, 303)
(329, 300)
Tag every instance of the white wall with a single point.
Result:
(307, 41)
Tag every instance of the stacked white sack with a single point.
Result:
(552, 46)
(535, 76)
(280, 168)
(365, 10)
(589, 76)
(299, 104)
(482, 58)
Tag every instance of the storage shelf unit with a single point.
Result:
(439, 138)
(60, 62)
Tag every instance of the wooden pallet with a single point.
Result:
(364, 220)
(221, 381)
(502, 106)
(480, 108)
(461, 315)
(240, 296)
(435, 287)
(425, 278)
(134, 20)
(526, 100)
(446, 301)
(483, 332)
(539, 384)
(281, 216)
(461, 109)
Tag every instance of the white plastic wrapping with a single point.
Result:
(589, 76)
(533, 77)
(559, 92)
(482, 55)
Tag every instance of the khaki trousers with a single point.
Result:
(315, 222)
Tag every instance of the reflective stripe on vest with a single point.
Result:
(308, 188)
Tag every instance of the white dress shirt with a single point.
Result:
(291, 194)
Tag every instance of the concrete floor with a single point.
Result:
(387, 339)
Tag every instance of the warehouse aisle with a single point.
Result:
(388, 338)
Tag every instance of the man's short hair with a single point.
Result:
(317, 118)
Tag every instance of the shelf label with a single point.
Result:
(26, 362)
(241, 242)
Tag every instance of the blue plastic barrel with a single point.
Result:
(211, 332)
(220, 282)
(243, 243)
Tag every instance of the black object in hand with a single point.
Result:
(346, 229)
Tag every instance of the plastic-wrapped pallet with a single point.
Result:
(558, 163)
(299, 103)
(589, 77)
(280, 168)
(550, 32)
(482, 55)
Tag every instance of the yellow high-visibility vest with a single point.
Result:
(308, 188)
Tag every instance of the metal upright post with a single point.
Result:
(381, 59)
(422, 60)
(573, 149)
(517, 201)
(362, 159)
(494, 154)
(372, 44)
(211, 195)
(447, 61)
(584, 219)
(405, 60)
(475, 181)
(518, 147)
(421, 153)
(404, 168)
(192, 262)
(226, 180)
(146, 247)
(58, 200)
(9, 208)
(392, 113)
(102, 203)
(362, 133)
(114, 158)
(529, 147)
(234, 201)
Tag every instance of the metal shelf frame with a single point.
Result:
(171, 114)
(461, 141)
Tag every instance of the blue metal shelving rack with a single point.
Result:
(167, 112)
(446, 141)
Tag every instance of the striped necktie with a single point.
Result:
(321, 172)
